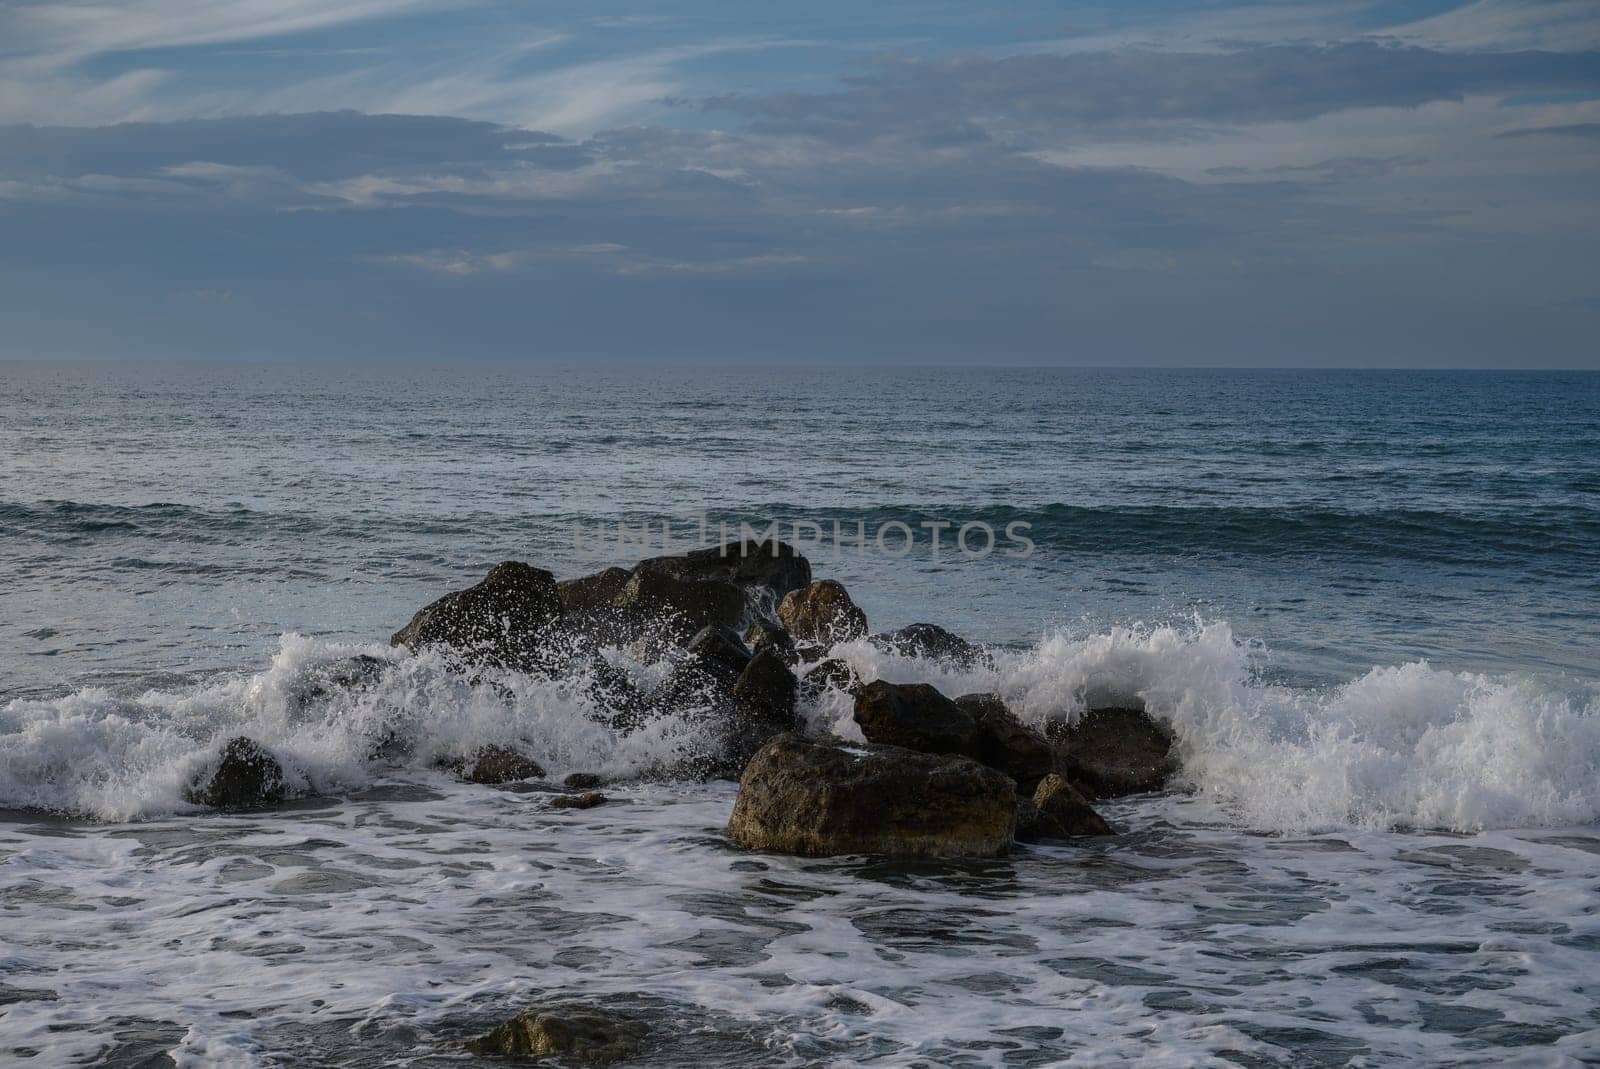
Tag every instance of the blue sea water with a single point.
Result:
(1368, 602)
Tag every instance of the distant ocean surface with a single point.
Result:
(1368, 602)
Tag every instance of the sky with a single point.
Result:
(1406, 183)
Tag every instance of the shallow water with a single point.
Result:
(1365, 603)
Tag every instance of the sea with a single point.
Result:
(1367, 603)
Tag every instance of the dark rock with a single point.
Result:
(766, 688)
(719, 652)
(915, 716)
(499, 621)
(582, 781)
(833, 674)
(496, 764)
(763, 634)
(585, 800)
(657, 602)
(714, 660)
(822, 612)
(1005, 743)
(818, 799)
(1116, 751)
(932, 642)
(1059, 811)
(613, 690)
(246, 777)
(581, 1034)
(771, 565)
(591, 591)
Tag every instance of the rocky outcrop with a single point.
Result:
(591, 591)
(818, 799)
(771, 566)
(915, 716)
(579, 1034)
(1058, 810)
(932, 642)
(822, 612)
(496, 764)
(1005, 743)
(246, 776)
(498, 621)
(1116, 751)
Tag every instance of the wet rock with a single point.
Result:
(915, 716)
(818, 799)
(1059, 811)
(1116, 751)
(1005, 743)
(591, 591)
(763, 634)
(582, 1034)
(655, 601)
(771, 566)
(712, 664)
(582, 781)
(246, 776)
(584, 800)
(498, 621)
(496, 764)
(822, 612)
(834, 673)
(766, 689)
(932, 642)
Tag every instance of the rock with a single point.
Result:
(585, 800)
(580, 1033)
(766, 688)
(818, 799)
(1060, 812)
(1116, 751)
(915, 716)
(719, 652)
(582, 781)
(822, 612)
(246, 777)
(496, 764)
(771, 565)
(1005, 743)
(591, 591)
(833, 674)
(763, 634)
(714, 660)
(654, 601)
(498, 621)
(933, 642)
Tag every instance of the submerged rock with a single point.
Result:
(582, 1034)
(1006, 743)
(1117, 751)
(1058, 810)
(817, 799)
(496, 764)
(915, 716)
(584, 800)
(246, 776)
(932, 642)
(772, 566)
(498, 621)
(822, 612)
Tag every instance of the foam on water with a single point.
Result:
(1402, 746)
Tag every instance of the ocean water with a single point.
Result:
(1365, 601)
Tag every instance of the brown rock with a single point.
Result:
(1061, 812)
(582, 1034)
(591, 591)
(822, 612)
(585, 800)
(497, 764)
(1117, 751)
(915, 716)
(1006, 743)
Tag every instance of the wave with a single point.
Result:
(1401, 746)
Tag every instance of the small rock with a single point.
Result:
(497, 764)
(582, 781)
(822, 612)
(915, 716)
(581, 1033)
(932, 642)
(586, 800)
(246, 777)
(1116, 751)
(1060, 812)
(818, 799)
(498, 621)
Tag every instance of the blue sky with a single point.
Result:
(1412, 183)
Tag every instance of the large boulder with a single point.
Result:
(498, 621)
(915, 716)
(591, 591)
(818, 799)
(822, 612)
(1058, 810)
(580, 1034)
(931, 642)
(1006, 743)
(246, 776)
(655, 601)
(772, 566)
(1116, 751)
